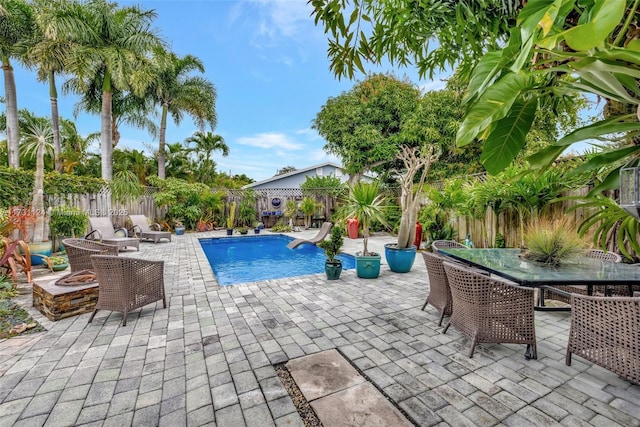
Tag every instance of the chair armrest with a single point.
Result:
(94, 231)
(122, 229)
(134, 229)
(155, 226)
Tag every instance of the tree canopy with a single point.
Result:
(362, 124)
(431, 34)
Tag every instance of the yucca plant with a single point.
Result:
(552, 242)
(366, 203)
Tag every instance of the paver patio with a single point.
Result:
(208, 358)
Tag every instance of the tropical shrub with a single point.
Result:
(552, 242)
(68, 221)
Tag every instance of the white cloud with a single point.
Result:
(269, 141)
(433, 85)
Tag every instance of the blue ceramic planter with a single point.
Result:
(38, 251)
(399, 260)
(367, 267)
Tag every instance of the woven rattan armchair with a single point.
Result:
(442, 244)
(79, 252)
(439, 292)
(606, 331)
(127, 283)
(490, 310)
(582, 290)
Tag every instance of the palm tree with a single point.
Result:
(178, 163)
(49, 51)
(74, 154)
(178, 92)
(16, 26)
(205, 144)
(115, 51)
(126, 107)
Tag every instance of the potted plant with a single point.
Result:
(333, 265)
(231, 218)
(400, 255)
(178, 226)
(257, 226)
(67, 221)
(365, 203)
(242, 230)
(57, 263)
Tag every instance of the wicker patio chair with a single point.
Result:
(103, 229)
(442, 244)
(490, 310)
(439, 292)
(582, 290)
(127, 283)
(79, 252)
(606, 331)
(141, 227)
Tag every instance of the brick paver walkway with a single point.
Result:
(207, 359)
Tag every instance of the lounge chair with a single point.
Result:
(102, 227)
(322, 233)
(141, 227)
(127, 283)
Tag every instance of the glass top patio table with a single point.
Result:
(581, 271)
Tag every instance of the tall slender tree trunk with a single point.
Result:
(55, 122)
(37, 203)
(106, 135)
(11, 100)
(161, 143)
(106, 144)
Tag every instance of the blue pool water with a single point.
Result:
(252, 258)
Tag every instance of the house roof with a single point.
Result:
(292, 173)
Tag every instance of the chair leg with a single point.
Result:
(441, 318)
(164, 302)
(124, 320)
(473, 345)
(567, 359)
(92, 314)
(444, 331)
(425, 304)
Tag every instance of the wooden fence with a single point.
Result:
(270, 206)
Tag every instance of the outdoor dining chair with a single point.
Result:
(606, 331)
(79, 252)
(127, 283)
(439, 292)
(442, 244)
(141, 227)
(490, 310)
(102, 228)
(582, 290)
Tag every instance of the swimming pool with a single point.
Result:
(252, 258)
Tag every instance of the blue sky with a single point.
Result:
(269, 65)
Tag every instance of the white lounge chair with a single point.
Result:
(141, 227)
(322, 233)
(102, 228)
